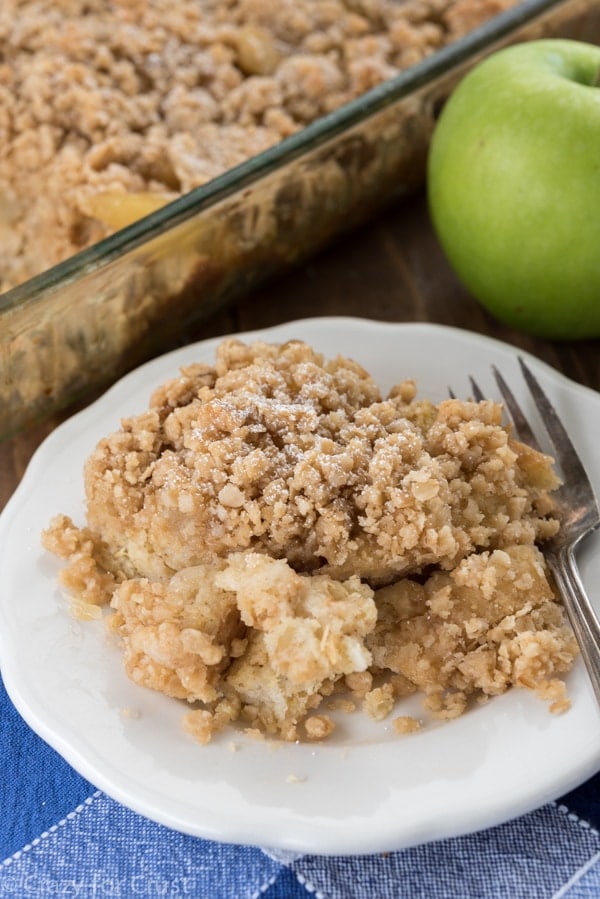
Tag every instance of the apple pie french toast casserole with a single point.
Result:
(274, 542)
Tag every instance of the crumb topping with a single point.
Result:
(148, 99)
(272, 530)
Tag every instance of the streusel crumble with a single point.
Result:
(272, 531)
(102, 100)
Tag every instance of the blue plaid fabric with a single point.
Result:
(62, 837)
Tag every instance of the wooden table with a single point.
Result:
(392, 270)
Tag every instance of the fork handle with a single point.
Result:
(583, 618)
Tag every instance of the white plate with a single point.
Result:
(364, 790)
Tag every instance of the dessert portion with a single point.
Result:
(273, 531)
(111, 108)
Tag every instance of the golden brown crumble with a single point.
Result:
(102, 99)
(406, 724)
(272, 531)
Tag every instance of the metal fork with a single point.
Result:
(577, 509)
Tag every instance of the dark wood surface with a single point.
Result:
(393, 269)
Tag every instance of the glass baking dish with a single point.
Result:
(86, 321)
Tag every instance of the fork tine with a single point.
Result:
(478, 395)
(515, 412)
(477, 392)
(566, 453)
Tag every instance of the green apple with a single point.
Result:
(514, 186)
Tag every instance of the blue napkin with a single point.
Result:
(62, 837)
